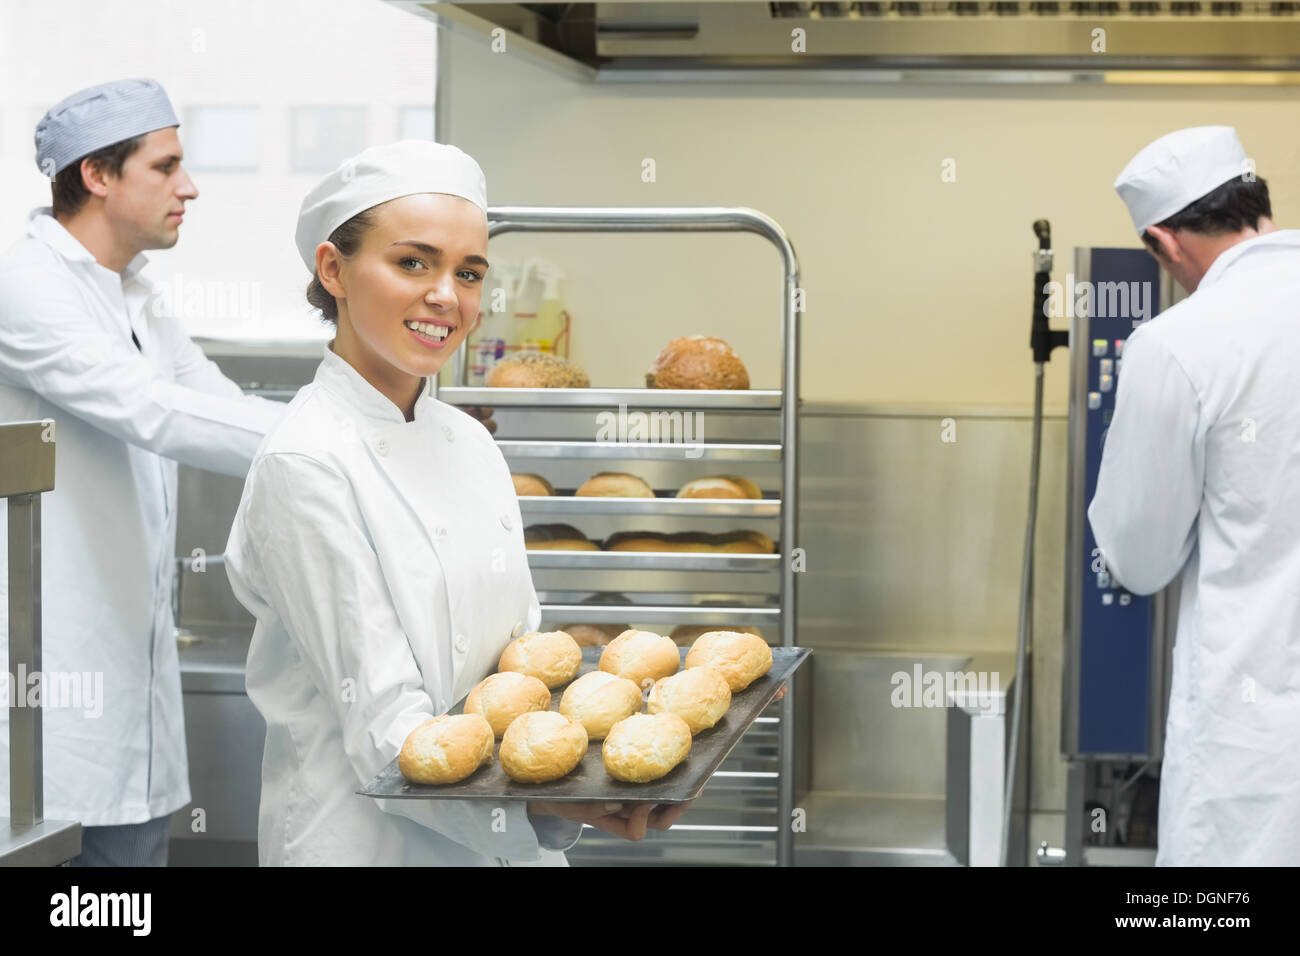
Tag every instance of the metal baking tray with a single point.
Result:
(589, 781)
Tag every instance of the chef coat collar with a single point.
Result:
(338, 376)
(1228, 256)
(42, 225)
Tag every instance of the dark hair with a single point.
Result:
(70, 193)
(347, 239)
(1236, 205)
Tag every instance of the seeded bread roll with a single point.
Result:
(645, 747)
(502, 697)
(446, 749)
(697, 361)
(640, 656)
(720, 486)
(598, 701)
(530, 484)
(742, 658)
(557, 537)
(700, 696)
(536, 370)
(542, 746)
(687, 634)
(614, 484)
(553, 657)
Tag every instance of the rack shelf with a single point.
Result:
(666, 507)
(748, 400)
(653, 561)
(641, 451)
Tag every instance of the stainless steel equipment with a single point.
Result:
(742, 415)
(27, 471)
(1131, 41)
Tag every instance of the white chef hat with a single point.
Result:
(1177, 169)
(379, 174)
(99, 116)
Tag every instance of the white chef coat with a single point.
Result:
(124, 416)
(1201, 472)
(384, 561)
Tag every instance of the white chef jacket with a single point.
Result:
(1201, 472)
(384, 561)
(124, 416)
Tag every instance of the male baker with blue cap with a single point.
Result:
(1201, 475)
(131, 395)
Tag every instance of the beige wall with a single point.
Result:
(918, 290)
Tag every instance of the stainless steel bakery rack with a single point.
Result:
(746, 812)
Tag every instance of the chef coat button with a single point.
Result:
(447, 433)
(506, 522)
(381, 446)
(461, 644)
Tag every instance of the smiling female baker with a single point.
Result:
(379, 541)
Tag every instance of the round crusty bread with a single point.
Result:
(744, 542)
(530, 484)
(640, 656)
(593, 635)
(541, 746)
(638, 541)
(697, 361)
(614, 484)
(742, 658)
(557, 537)
(502, 697)
(700, 696)
(446, 749)
(688, 633)
(553, 657)
(536, 370)
(645, 747)
(751, 488)
(598, 701)
(714, 486)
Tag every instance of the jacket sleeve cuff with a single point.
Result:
(555, 833)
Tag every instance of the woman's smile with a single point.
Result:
(431, 333)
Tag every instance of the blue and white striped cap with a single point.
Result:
(99, 116)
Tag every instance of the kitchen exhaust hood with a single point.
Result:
(1018, 41)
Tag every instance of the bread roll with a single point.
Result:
(593, 635)
(502, 697)
(700, 696)
(598, 701)
(640, 656)
(553, 657)
(557, 537)
(446, 749)
(638, 541)
(688, 633)
(530, 484)
(742, 658)
(720, 486)
(744, 542)
(536, 370)
(614, 484)
(697, 361)
(645, 747)
(542, 746)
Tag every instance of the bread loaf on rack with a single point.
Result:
(697, 361)
(614, 484)
(557, 537)
(530, 484)
(536, 370)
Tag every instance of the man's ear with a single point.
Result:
(1169, 249)
(93, 178)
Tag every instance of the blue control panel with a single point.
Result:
(1116, 628)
